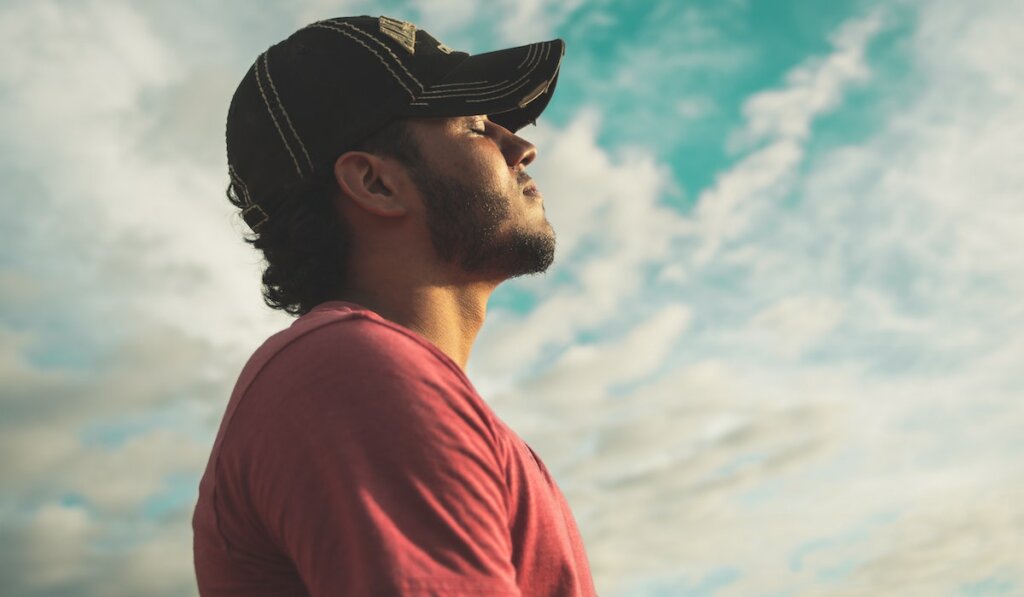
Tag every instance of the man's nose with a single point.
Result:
(518, 152)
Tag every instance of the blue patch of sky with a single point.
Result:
(839, 572)
(521, 296)
(35, 231)
(112, 433)
(992, 585)
(679, 586)
(179, 492)
(886, 354)
(855, 534)
(736, 466)
(73, 500)
(513, 298)
(840, 467)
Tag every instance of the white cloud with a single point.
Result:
(526, 21)
(81, 76)
(446, 16)
(120, 479)
(57, 545)
(585, 373)
(793, 324)
(811, 88)
(692, 108)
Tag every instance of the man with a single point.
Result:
(383, 180)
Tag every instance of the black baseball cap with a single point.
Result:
(334, 83)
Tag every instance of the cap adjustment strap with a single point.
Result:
(255, 217)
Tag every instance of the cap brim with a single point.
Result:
(511, 86)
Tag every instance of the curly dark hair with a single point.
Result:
(305, 243)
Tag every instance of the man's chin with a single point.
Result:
(532, 254)
(522, 255)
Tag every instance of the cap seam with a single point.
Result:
(233, 174)
(533, 49)
(322, 25)
(270, 109)
(455, 88)
(522, 80)
(386, 49)
(273, 87)
(458, 84)
(529, 53)
(497, 97)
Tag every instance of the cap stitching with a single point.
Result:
(488, 99)
(322, 25)
(277, 125)
(266, 66)
(515, 85)
(235, 178)
(456, 87)
(255, 226)
(458, 84)
(538, 59)
(249, 205)
(525, 80)
(386, 49)
(529, 52)
(446, 93)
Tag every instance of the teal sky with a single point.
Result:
(778, 354)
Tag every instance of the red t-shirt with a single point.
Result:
(355, 458)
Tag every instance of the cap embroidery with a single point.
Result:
(443, 48)
(403, 32)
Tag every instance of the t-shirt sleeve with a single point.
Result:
(373, 467)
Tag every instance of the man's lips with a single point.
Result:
(529, 187)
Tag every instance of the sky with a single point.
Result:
(779, 353)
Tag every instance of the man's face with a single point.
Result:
(483, 212)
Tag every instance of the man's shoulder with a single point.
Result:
(340, 336)
(341, 359)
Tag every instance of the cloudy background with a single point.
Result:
(780, 353)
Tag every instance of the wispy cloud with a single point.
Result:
(780, 119)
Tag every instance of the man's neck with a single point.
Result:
(448, 316)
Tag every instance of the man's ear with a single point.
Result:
(371, 182)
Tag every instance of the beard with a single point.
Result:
(468, 228)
